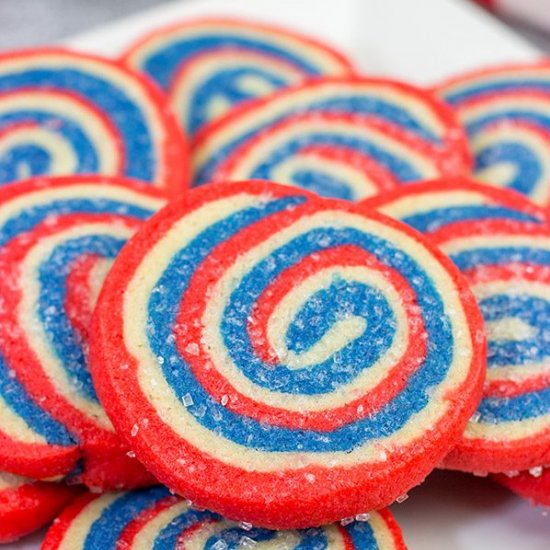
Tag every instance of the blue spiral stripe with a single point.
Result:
(523, 407)
(398, 166)
(500, 255)
(437, 218)
(20, 403)
(122, 111)
(107, 529)
(168, 537)
(164, 63)
(52, 276)
(476, 89)
(29, 218)
(480, 123)
(247, 431)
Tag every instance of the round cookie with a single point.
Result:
(27, 505)
(65, 113)
(533, 485)
(58, 237)
(155, 518)
(345, 138)
(208, 66)
(431, 205)
(507, 264)
(506, 113)
(239, 314)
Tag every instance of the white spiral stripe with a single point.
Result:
(16, 427)
(79, 528)
(37, 334)
(426, 202)
(11, 481)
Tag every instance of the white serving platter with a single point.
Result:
(421, 41)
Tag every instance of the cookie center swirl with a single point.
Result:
(284, 327)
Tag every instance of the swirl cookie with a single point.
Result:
(533, 485)
(58, 239)
(432, 205)
(507, 264)
(26, 505)
(506, 113)
(208, 66)
(154, 518)
(288, 360)
(343, 138)
(65, 113)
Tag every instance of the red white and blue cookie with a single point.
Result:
(431, 205)
(345, 138)
(507, 263)
(208, 66)
(506, 113)
(155, 518)
(289, 360)
(27, 505)
(65, 113)
(533, 484)
(58, 237)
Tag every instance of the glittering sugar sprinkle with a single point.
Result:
(475, 418)
(219, 545)
(247, 542)
(135, 430)
(536, 471)
(245, 525)
(346, 521)
(187, 400)
(402, 498)
(363, 517)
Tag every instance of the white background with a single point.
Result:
(422, 41)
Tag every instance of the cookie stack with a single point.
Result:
(251, 297)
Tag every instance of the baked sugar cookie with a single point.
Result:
(155, 518)
(58, 237)
(209, 66)
(506, 113)
(65, 113)
(507, 264)
(345, 138)
(288, 360)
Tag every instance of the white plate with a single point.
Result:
(422, 41)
